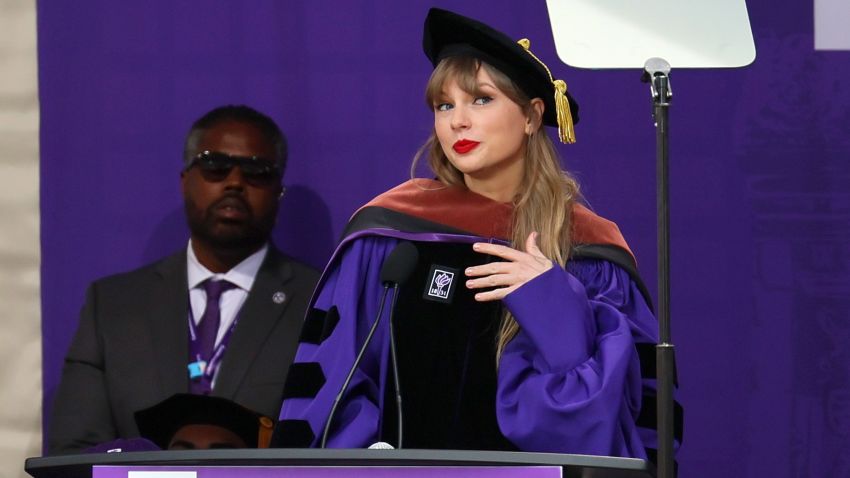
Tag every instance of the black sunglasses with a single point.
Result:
(217, 166)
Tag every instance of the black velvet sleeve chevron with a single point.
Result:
(648, 417)
(319, 325)
(648, 369)
(304, 380)
(292, 434)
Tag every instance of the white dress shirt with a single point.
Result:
(242, 275)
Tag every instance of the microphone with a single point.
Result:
(656, 72)
(395, 270)
(399, 264)
(657, 66)
(381, 445)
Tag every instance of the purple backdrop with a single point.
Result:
(760, 179)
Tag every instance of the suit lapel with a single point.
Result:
(258, 317)
(169, 331)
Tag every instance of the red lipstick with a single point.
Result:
(464, 146)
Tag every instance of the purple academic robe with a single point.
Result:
(569, 382)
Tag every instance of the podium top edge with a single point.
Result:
(365, 457)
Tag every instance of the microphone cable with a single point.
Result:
(396, 269)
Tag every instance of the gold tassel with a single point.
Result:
(264, 436)
(566, 129)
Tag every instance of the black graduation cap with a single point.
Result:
(160, 422)
(449, 34)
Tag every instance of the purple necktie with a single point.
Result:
(211, 320)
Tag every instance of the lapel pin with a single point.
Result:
(279, 297)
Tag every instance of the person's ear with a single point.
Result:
(534, 118)
(184, 181)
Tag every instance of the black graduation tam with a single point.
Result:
(160, 422)
(449, 34)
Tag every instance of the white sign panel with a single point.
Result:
(625, 33)
(831, 20)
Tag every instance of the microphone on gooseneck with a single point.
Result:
(396, 269)
(397, 274)
(399, 264)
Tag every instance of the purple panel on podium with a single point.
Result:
(326, 472)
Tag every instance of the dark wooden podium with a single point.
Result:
(289, 461)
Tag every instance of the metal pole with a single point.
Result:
(658, 71)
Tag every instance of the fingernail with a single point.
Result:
(476, 246)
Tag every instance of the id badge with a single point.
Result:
(197, 369)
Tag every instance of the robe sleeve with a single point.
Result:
(570, 381)
(344, 308)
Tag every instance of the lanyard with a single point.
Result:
(203, 369)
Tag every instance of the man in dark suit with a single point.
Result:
(221, 317)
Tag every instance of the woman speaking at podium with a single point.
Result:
(524, 323)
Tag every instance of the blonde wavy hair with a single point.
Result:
(546, 194)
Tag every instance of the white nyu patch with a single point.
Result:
(441, 284)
